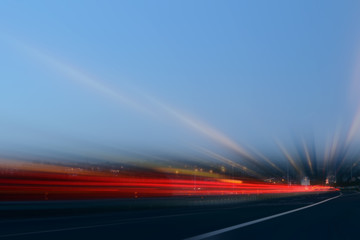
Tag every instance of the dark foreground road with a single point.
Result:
(338, 218)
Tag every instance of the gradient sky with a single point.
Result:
(174, 75)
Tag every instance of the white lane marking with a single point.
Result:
(241, 225)
(134, 220)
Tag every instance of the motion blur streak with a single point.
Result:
(266, 160)
(208, 131)
(83, 78)
(289, 158)
(308, 157)
(354, 92)
(354, 127)
(100, 87)
(51, 182)
(229, 162)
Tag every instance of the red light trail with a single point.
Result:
(33, 185)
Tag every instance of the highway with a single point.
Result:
(324, 216)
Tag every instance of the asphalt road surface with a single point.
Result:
(324, 216)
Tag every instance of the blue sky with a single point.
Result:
(151, 74)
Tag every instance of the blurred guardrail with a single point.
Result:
(80, 207)
(350, 189)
